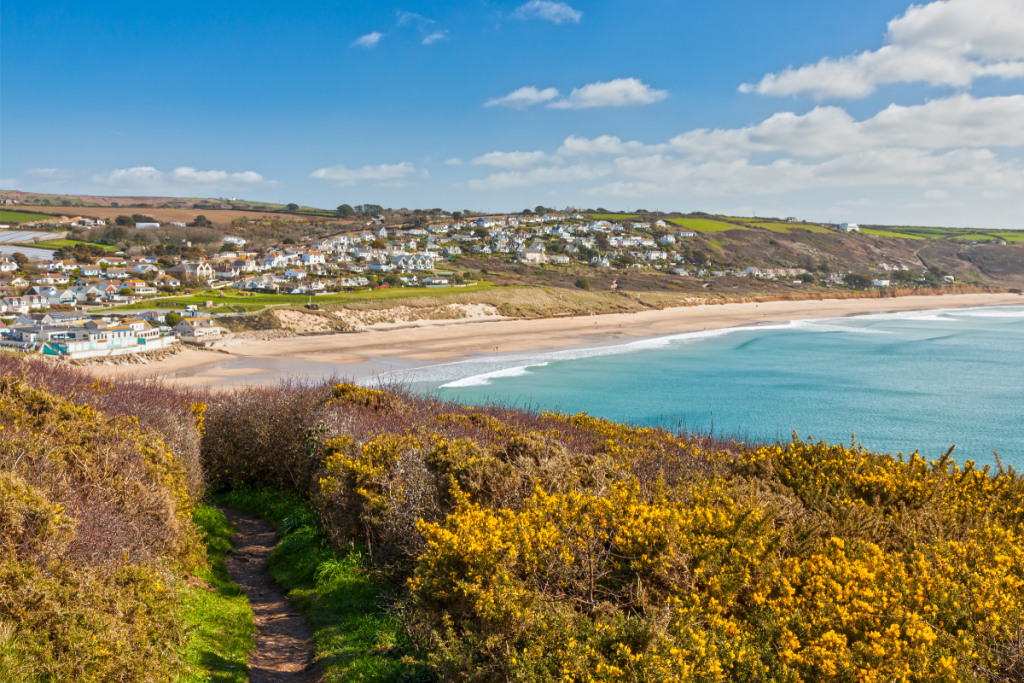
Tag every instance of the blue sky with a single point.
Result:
(873, 111)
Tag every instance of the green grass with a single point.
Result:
(223, 298)
(57, 244)
(887, 233)
(20, 217)
(356, 641)
(705, 224)
(220, 619)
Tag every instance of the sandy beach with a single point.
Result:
(377, 351)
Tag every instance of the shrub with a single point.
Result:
(583, 283)
(542, 546)
(94, 526)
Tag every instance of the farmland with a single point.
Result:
(705, 224)
(58, 244)
(21, 217)
(109, 213)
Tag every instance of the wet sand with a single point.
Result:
(378, 351)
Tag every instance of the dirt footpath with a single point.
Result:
(284, 643)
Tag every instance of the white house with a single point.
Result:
(880, 283)
(145, 226)
(849, 227)
(668, 239)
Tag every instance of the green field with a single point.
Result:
(229, 301)
(1009, 235)
(22, 217)
(790, 227)
(705, 224)
(887, 233)
(57, 244)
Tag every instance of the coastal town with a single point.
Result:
(83, 300)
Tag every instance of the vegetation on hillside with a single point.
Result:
(431, 541)
(563, 547)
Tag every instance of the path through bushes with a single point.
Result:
(284, 647)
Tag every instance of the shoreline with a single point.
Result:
(381, 351)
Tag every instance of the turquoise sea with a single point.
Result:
(901, 382)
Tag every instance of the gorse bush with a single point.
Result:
(518, 545)
(95, 525)
(545, 546)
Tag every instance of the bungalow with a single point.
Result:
(197, 330)
(559, 260)
(685, 233)
(90, 271)
(140, 287)
(295, 274)
(143, 268)
(52, 279)
(448, 252)
(354, 282)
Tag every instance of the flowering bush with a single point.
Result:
(542, 546)
(95, 526)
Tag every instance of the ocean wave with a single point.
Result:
(482, 371)
(485, 378)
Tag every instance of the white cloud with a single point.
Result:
(148, 177)
(621, 92)
(51, 173)
(946, 43)
(604, 144)
(510, 159)
(544, 174)
(937, 146)
(385, 174)
(434, 37)
(523, 97)
(455, 161)
(555, 12)
(407, 18)
(369, 40)
(953, 122)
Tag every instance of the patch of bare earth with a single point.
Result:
(284, 643)
(304, 323)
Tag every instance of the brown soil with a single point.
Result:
(284, 644)
(185, 215)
